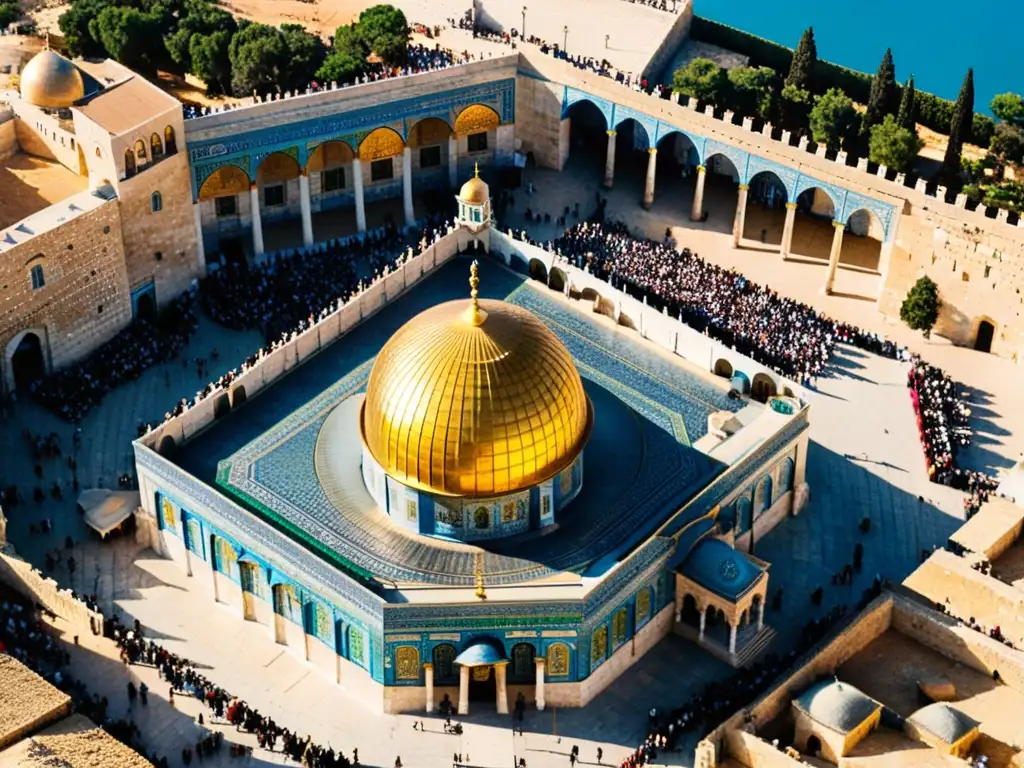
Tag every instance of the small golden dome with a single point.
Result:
(50, 80)
(474, 399)
(475, 191)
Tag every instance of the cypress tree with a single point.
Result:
(907, 116)
(804, 58)
(959, 128)
(883, 87)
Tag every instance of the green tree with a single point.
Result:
(1007, 146)
(833, 118)
(385, 31)
(959, 129)
(258, 58)
(304, 55)
(127, 35)
(907, 117)
(893, 146)
(340, 67)
(794, 106)
(348, 40)
(211, 60)
(920, 309)
(752, 90)
(1008, 107)
(199, 17)
(76, 26)
(9, 13)
(801, 70)
(883, 91)
(702, 79)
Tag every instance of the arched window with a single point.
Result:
(98, 153)
(357, 646)
(786, 476)
(194, 537)
(140, 151)
(129, 164)
(319, 623)
(444, 664)
(286, 602)
(643, 606)
(558, 660)
(168, 514)
(170, 145)
(523, 669)
(407, 662)
(225, 559)
(156, 202)
(598, 645)
(37, 276)
(620, 625)
(482, 518)
(743, 516)
(156, 146)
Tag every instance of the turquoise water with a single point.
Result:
(936, 40)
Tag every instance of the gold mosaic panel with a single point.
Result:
(380, 144)
(330, 154)
(558, 660)
(428, 132)
(277, 167)
(229, 180)
(476, 118)
(407, 663)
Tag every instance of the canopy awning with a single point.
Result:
(106, 510)
(479, 655)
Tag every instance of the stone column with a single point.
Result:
(732, 639)
(307, 215)
(463, 690)
(697, 210)
(197, 214)
(652, 167)
(410, 213)
(257, 223)
(833, 257)
(453, 161)
(428, 679)
(787, 230)
(741, 216)
(541, 662)
(609, 161)
(357, 186)
(703, 623)
(760, 615)
(502, 694)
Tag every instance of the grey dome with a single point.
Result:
(943, 722)
(836, 705)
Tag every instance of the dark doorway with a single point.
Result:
(538, 271)
(813, 745)
(233, 250)
(27, 362)
(588, 136)
(483, 688)
(238, 396)
(983, 341)
(145, 308)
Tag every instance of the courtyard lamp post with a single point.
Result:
(523, 30)
(565, 38)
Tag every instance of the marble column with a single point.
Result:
(760, 615)
(357, 186)
(741, 216)
(652, 167)
(463, 690)
(833, 257)
(453, 161)
(787, 230)
(428, 679)
(500, 670)
(732, 639)
(541, 663)
(410, 213)
(609, 161)
(703, 624)
(257, 222)
(697, 210)
(197, 214)
(307, 214)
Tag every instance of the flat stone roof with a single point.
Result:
(27, 701)
(50, 218)
(75, 742)
(31, 185)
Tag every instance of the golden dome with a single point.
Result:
(475, 190)
(50, 80)
(471, 399)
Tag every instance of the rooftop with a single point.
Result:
(28, 701)
(120, 107)
(31, 185)
(75, 742)
(52, 217)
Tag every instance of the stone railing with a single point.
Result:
(273, 363)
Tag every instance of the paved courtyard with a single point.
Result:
(864, 461)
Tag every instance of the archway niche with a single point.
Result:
(631, 145)
(556, 280)
(538, 271)
(226, 181)
(721, 185)
(812, 228)
(221, 406)
(762, 388)
(145, 308)
(588, 137)
(723, 368)
(238, 396)
(27, 361)
(168, 447)
(677, 162)
(985, 334)
(766, 209)
(862, 240)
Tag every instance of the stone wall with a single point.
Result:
(85, 300)
(160, 246)
(538, 121)
(28, 581)
(745, 747)
(9, 146)
(993, 530)
(42, 135)
(668, 47)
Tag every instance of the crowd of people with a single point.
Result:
(941, 418)
(183, 679)
(996, 632)
(74, 390)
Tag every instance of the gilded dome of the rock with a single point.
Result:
(474, 403)
(475, 191)
(50, 80)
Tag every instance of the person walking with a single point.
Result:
(143, 691)
(132, 693)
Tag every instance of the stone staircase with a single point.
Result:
(751, 644)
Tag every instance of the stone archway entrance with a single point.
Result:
(983, 340)
(483, 684)
(483, 667)
(27, 361)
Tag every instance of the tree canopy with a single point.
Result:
(10, 12)
(752, 90)
(805, 57)
(1007, 146)
(1008, 107)
(907, 117)
(920, 309)
(959, 129)
(833, 118)
(257, 53)
(883, 93)
(385, 32)
(702, 79)
(892, 145)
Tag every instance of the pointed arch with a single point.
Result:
(380, 144)
(429, 131)
(277, 167)
(226, 180)
(476, 118)
(156, 146)
(129, 163)
(328, 155)
(170, 142)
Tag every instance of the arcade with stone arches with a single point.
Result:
(267, 193)
(767, 206)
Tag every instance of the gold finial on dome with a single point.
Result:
(475, 315)
(476, 170)
(478, 564)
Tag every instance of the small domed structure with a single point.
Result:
(475, 203)
(51, 81)
(832, 717)
(940, 725)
